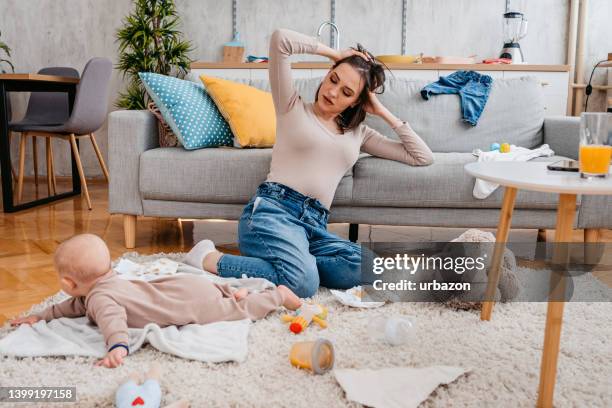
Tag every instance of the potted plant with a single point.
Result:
(150, 42)
(4, 61)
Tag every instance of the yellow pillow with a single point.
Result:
(248, 110)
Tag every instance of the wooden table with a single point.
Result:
(30, 83)
(535, 176)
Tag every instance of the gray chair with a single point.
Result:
(44, 108)
(88, 115)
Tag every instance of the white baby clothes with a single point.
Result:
(483, 189)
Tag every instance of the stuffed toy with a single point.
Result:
(508, 285)
(132, 393)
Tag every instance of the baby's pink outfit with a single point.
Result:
(115, 304)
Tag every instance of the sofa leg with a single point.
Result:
(591, 234)
(541, 246)
(541, 235)
(129, 230)
(353, 232)
(592, 251)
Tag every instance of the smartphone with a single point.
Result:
(564, 165)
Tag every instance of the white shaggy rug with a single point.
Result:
(503, 356)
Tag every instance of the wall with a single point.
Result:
(69, 32)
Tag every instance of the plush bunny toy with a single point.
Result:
(146, 395)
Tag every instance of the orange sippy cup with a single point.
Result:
(314, 356)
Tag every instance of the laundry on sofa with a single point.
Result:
(483, 189)
(472, 87)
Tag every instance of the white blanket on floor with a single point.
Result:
(397, 387)
(215, 342)
(483, 189)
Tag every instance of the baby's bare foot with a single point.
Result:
(290, 300)
(241, 294)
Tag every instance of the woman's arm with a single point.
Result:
(410, 149)
(283, 44)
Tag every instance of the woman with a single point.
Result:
(282, 232)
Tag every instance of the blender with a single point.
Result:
(515, 28)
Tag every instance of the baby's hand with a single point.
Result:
(114, 358)
(25, 320)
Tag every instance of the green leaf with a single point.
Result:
(150, 41)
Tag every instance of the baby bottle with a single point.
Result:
(394, 330)
(314, 356)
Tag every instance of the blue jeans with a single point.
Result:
(473, 89)
(283, 237)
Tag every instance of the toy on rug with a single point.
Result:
(308, 312)
(508, 285)
(147, 395)
(394, 330)
(315, 356)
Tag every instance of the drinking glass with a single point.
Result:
(595, 144)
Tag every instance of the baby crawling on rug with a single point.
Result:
(83, 264)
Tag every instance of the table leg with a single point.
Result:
(554, 317)
(5, 150)
(503, 229)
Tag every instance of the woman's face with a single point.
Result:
(339, 90)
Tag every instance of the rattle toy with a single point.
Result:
(309, 312)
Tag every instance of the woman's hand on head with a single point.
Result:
(341, 54)
(374, 106)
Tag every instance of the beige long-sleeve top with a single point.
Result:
(307, 156)
(115, 304)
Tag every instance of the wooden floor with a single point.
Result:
(29, 238)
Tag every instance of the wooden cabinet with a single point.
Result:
(554, 78)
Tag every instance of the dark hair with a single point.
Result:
(372, 72)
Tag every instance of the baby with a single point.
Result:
(83, 264)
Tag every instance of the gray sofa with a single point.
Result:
(151, 181)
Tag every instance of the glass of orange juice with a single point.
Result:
(595, 144)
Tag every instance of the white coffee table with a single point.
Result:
(535, 176)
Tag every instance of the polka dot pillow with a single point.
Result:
(188, 110)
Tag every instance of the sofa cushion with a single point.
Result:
(248, 110)
(306, 87)
(222, 175)
(188, 110)
(514, 113)
(380, 182)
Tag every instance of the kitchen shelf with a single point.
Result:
(325, 65)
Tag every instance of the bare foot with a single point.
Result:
(209, 263)
(290, 300)
(241, 294)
